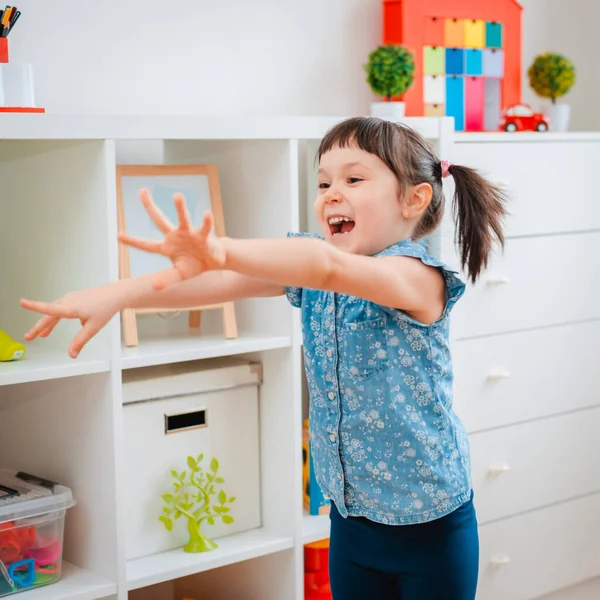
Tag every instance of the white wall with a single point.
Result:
(570, 28)
(257, 57)
(249, 57)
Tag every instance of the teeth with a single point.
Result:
(334, 220)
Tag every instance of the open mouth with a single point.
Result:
(340, 225)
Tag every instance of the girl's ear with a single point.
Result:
(416, 201)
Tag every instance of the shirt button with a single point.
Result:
(331, 395)
(330, 309)
(332, 437)
(329, 353)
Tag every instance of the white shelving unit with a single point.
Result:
(63, 419)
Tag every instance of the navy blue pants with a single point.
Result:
(438, 560)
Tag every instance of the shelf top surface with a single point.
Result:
(48, 126)
(193, 346)
(25, 126)
(41, 364)
(526, 137)
(315, 528)
(74, 584)
(174, 564)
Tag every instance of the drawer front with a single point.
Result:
(548, 183)
(534, 554)
(524, 467)
(516, 377)
(537, 282)
(230, 435)
(588, 590)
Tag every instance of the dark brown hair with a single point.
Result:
(478, 206)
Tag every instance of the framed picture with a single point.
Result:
(199, 185)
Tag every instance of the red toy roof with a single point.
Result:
(517, 4)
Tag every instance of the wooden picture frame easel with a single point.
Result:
(200, 187)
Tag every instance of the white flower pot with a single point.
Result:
(560, 115)
(392, 111)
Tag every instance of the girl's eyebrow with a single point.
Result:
(348, 165)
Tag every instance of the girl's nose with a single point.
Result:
(333, 198)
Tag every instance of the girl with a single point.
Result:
(389, 451)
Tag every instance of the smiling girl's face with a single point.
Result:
(359, 205)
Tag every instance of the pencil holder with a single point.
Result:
(16, 85)
(3, 50)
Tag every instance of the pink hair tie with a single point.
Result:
(445, 168)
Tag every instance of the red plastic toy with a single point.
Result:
(15, 542)
(521, 117)
(316, 571)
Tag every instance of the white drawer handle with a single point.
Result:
(498, 375)
(501, 468)
(499, 559)
(497, 280)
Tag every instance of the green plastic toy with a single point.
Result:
(191, 498)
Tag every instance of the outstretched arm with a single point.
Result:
(211, 287)
(94, 307)
(400, 282)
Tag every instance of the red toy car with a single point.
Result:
(521, 117)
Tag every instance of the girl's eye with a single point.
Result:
(323, 186)
(354, 179)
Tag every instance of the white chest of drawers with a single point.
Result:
(526, 364)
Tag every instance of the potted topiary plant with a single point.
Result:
(390, 73)
(552, 76)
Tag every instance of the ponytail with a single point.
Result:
(479, 208)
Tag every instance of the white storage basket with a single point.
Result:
(207, 407)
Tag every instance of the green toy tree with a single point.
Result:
(551, 75)
(390, 71)
(191, 498)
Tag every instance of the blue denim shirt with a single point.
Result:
(385, 440)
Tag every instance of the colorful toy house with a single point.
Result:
(467, 57)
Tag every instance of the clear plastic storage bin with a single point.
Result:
(32, 519)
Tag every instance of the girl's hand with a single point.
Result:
(192, 251)
(94, 307)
